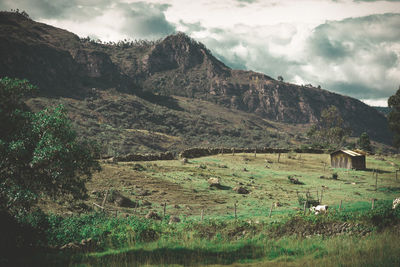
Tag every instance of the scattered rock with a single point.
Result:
(241, 190)
(214, 182)
(146, 203)
(138, 167)
(122, 201)
(153, 215)
(174, 219)
(176, 206)
(294, 180)
(144, 193)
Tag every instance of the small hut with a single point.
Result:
(348, 159)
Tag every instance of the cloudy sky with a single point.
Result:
(347, 46)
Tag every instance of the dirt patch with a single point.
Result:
(159, 191)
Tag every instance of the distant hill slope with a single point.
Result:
(64, 65)
(383, 110)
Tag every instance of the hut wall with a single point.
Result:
(341, 160)
(359, 162)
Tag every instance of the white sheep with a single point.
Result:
(396, 202)
(319, 209)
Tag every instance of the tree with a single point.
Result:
(39, 152)
(330, 130)
(364, 143)
(394, 117)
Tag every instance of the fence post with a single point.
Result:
(373, 204)
(279, 156)
(255, 152)
(322, 191)
(202, 214)
(270, 210)
(304, 208)
(165, 208)
(340, 207)
(235, 210)
(104, 200)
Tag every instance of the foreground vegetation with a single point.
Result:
(370, 238)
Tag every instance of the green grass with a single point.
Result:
(377, 249)
(218, 239)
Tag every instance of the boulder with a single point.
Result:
(153, 215)
(241, 190)
(214, 182)
(146, 203)
(122, 201)
(174, 219)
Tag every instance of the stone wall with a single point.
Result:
(146, 157)
(197, 152)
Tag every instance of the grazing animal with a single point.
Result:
(319, 209)
(396, 202)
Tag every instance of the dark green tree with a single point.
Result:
(394, 117)
(39, 152)
(364, 143)
(330, 130)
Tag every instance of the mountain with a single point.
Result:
(168, 89)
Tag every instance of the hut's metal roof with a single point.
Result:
(348, 152)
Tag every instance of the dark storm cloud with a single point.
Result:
(355, 89)
(359, 53)
(143, 20)
(192, 27)
(323, 46)
(358, 57)
(245, 51)
(58, 9)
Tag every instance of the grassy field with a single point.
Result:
(254, 238)
(184, 187)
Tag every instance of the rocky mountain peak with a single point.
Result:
(179, 51)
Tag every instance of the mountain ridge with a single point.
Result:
(64, 65)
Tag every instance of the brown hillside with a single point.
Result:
(61, 64)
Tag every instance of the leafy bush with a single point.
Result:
(39, 152)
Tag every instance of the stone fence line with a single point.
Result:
(197, 152)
